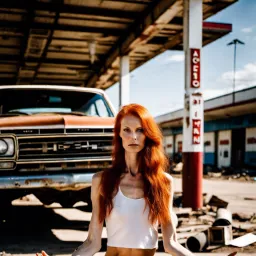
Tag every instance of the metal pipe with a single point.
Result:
(223, 218)
(197, 242)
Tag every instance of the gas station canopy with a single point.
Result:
(78, 42)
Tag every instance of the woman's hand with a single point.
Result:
(43, 253)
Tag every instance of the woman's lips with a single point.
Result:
(133, 145)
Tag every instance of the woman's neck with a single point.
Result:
(131, 161)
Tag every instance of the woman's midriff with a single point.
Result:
(117, 251)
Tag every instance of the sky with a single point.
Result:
(159, 84)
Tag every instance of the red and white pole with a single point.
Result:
(193, 120)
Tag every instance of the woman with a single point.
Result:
(135, 195)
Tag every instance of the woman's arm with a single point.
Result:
(93, 242)
(171, 244)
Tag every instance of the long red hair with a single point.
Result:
(152, 162)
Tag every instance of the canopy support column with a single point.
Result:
(193, 120)
(124, 84)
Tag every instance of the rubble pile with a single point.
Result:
(214, 226)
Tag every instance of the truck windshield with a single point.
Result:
(34, 101)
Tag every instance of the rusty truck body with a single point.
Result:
(52, 140)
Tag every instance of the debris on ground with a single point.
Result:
(250, 198)
(214, 174)
(213, 227)
(198, 242)
(242, 216)
(178, 167)
(253, 219)
(244, 240)
(177, 199)
(206, 219)
(215, 201)
(223, 217)
(233, 254)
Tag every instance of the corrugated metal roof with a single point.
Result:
(48, 41)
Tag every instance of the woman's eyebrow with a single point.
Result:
(139, 127)
(131, 126)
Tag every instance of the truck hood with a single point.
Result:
(56, 120)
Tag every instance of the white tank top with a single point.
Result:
(128, 225)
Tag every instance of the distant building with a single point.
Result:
(229, 130)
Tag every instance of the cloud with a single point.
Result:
(244, 77)
(247, 30)
(175, 58)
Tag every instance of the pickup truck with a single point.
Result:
(52, 140)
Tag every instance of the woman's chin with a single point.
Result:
(133, 150)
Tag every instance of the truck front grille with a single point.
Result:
(64, 147)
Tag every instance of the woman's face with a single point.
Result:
(132, 134)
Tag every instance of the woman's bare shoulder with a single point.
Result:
(169, 177)
(97, 175)
(96, 178)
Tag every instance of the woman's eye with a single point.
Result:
(126, 130)
(140, 130)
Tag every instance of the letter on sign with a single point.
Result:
(195, 68)
(196, 131)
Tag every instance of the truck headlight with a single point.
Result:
(3, 147)
(6, 147)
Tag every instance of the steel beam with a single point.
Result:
(139, 2)
(5, 58)
(49, 40)
(71, 28)
(68, 8)
(24, 41)
(121, 47)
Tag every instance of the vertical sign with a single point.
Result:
(196, 131)
(195, 68)
(196, 112)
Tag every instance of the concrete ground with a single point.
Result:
(30, 227)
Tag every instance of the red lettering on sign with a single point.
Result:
(196, 131)
(196, 140)
(195, 68)
(196, 101)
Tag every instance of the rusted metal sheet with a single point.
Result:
(60, 181)
(55, 120)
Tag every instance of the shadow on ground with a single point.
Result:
(27, 229)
